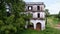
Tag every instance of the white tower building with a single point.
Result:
(38, 14)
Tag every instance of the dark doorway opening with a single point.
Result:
(38, 7)
(38, 15)
(38, 26)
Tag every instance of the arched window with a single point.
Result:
(38, 8)
(29, 7)
(38, 15)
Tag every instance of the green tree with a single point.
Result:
(59, 15)
(47, 13)
(16, 21)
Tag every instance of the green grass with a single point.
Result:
(48, 30)
(52, 21)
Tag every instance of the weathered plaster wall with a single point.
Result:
(36, 21)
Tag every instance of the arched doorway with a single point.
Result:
(38, 26)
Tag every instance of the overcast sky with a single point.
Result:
(52, 5)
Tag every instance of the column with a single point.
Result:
(34, 26)
(43, 26)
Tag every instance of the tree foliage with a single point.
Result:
(16, 21)
(59, 15)
(47, 13)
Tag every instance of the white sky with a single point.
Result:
(52, 5)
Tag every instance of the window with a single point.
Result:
(38, 8)
(29, 7)
(38, 15)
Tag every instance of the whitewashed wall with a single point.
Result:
(34, 7)
(42, 15)
(41, 7)
(35, 14)
(36, 21)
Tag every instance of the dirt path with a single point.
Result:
(58, 26)
(55, 26)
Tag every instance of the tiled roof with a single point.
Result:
(34, 3)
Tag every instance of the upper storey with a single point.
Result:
(34, 6)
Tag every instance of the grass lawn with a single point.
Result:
(48, 30)
(52, 21)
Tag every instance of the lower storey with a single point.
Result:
(36, 24)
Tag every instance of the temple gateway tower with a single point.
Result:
(38, 15)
